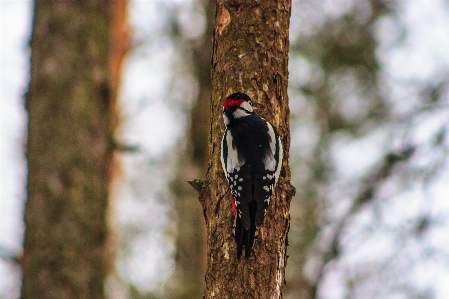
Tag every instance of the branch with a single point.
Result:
(131, 148)
(9, 256)
(196, 184)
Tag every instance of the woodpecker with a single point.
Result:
(251, 157)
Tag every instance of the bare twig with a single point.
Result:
(196, 184)
(9, 256)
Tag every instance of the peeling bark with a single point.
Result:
(250, 55)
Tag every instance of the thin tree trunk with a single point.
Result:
(250, 55)
(76, 52)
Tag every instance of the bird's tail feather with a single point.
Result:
(240, 233)
(244, 237)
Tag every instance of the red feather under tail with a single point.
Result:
(233, 206)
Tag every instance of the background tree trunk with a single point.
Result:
(77, 50)
(251, 44)
(191, 235)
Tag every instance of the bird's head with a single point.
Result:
(235, 106)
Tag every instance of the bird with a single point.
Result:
(251, 157)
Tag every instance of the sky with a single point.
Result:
(150, 123)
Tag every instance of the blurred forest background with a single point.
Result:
(369, 100)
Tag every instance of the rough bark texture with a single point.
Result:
(76, 49)
(250, 55)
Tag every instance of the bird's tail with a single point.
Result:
(245, 237)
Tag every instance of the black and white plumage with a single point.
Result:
(251, 156)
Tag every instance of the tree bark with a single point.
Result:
(76, 52)
(250, 55)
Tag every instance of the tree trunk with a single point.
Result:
(191, 237)
(250, 55)
(76, 51)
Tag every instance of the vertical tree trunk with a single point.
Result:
(250, 55)
(76, 50)
(191, 238)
